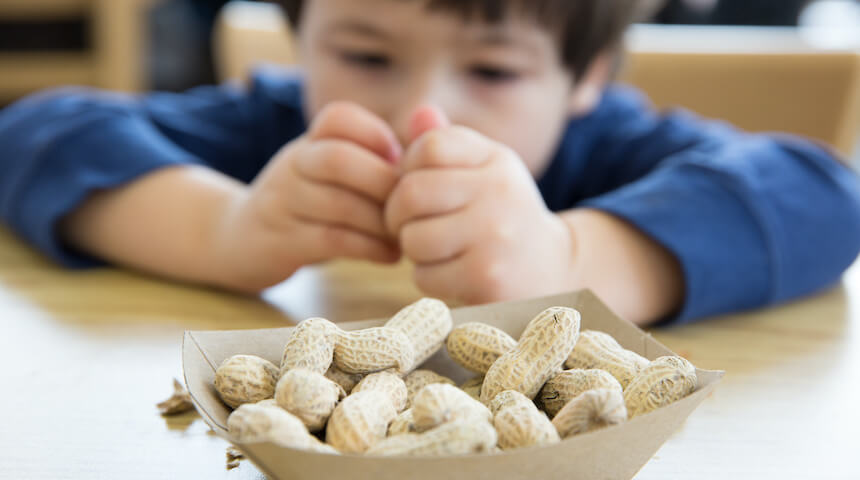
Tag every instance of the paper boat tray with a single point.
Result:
(616, 452)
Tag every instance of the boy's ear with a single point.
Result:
(588, 90)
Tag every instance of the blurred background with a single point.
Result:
(789, 65)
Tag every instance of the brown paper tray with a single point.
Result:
(616, 452)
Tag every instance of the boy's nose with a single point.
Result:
(433, 91)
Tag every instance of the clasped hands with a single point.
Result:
(461, 206)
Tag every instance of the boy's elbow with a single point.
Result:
(810, 216)
(851, 222)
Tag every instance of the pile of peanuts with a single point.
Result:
(359, 391)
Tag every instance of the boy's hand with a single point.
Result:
(320, 197)
(469, 214)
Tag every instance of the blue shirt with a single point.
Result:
(752, 219)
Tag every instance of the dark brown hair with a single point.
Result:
(583, 28)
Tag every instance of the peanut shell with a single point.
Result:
(439, 403)
(360, 421)
(373, 350)
(310, 346)
(264, 422)
(460, 437)
(589, 411)
(426, 323)
(569, 384)
(245, 379)
(309, 396)
(418, 379)
(472, 386)
(475, 345)
(389, 383)
(663, 381)
(519, 423)
(599, 350)
(404, 423)
(347, 381)
(543, 347)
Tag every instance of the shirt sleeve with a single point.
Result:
(58, 147)
(753, 219)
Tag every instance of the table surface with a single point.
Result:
(87, 355)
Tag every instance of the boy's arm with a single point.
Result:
(168, 222)
(75, 147)
(751, 219)
(318, 198)
(636, 276)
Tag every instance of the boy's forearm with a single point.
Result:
(167, 222)
(637, 277)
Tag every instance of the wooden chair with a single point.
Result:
(761, 79)
(115, 61)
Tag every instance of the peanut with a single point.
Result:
(472, 386)
(269, 402)
(419, 379)
(372, 350)
(460, 437)
(661, 382)
(506, 399)
(360, 421)
(475, 346)
(245, 379)
(599, 350)
(310, 346)
(309, 396)
(264, 422)
(519, 423)
(347, 381)
(426, 323)
(591, 410)
(569, 384)
(543, 347)
(439, 403)
(404, 423)
(389, 383)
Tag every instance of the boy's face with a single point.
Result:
(391, 56)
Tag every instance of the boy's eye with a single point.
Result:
(370, 60)
(493, 74)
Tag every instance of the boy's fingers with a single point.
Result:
(347, 165)
(426, 193)
(326, 241)
(452, 146)
(329, 204)
(350, 122)
(437, 239)
(424, 119)
(442, 280)
(468, 277)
